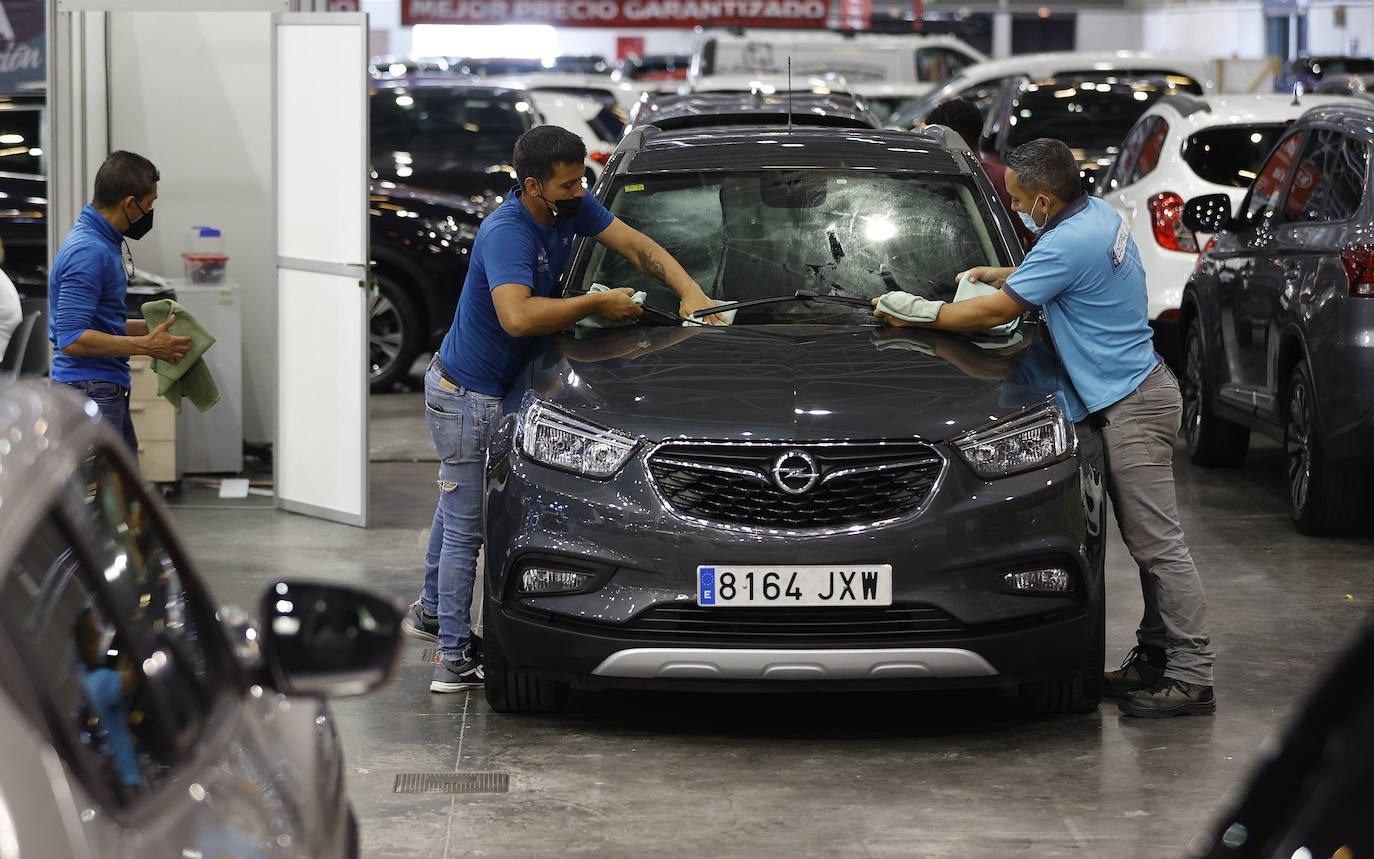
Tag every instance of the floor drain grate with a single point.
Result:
(452, 783)
(427, 655)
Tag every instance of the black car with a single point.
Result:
(1305, 74)
(440, 154)
(1279, 318)
(651, 68)
(695, 110)
(803, 499)
(1090, 113)
(24, 192)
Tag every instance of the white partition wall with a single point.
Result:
(320, 183)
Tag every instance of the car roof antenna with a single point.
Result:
(789, 93)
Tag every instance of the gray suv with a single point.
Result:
(803, 499)
(1279, 319)
(136, 718)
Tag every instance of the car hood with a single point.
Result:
(792, 382)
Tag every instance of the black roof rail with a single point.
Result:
(1185, 104)
(635, 140)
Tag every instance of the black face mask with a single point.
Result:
(139, 228)
(563, 209)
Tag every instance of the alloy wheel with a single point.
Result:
(1192, 391)
(1298, 444)
(385, 334)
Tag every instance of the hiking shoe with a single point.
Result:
(1142, 668)
(1169, 697)
(420, 624)
(455, 675)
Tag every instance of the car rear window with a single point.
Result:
(436, 121)
(1084, 114)
(751, 234)
(1231, 156)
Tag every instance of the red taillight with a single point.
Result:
(1166, 211)
(600, 157)
(1171, 315)
(1359, 269)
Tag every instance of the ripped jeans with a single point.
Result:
(460, 422)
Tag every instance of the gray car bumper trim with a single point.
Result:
(871, 664)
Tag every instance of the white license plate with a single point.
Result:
(808, 585)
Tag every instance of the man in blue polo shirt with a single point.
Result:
(505, 307)
(1085, 271)
(92, 340)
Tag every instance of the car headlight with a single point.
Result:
(1019, 443)
(553, 437)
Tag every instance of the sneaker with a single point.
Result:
(1170, 697)
(420, 624)
(1142, 668)
(451, 675)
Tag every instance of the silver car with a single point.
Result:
(135, 718)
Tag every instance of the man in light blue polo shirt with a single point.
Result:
(1085, 271)
(505, 307)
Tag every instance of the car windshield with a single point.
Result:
(753, 234)
(1085, 114)
(413, 120)
(1231, 155)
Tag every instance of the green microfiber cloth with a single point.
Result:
(190, 377)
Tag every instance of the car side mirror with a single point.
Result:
(327, 640)
(1209, 213)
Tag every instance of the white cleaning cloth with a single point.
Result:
(912, 308)
(596, 320)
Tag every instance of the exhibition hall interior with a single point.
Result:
(746, 428)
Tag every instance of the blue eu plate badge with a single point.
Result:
(706, 586)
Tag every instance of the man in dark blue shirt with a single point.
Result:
(505, 306)
(91, 337)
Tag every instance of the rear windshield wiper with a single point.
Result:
(799, 295)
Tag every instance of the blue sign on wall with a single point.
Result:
(23, 50)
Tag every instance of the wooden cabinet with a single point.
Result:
(155, 422)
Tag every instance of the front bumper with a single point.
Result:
(953, 622)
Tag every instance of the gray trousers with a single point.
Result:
(1137, 444)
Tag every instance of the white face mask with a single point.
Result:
(1028, 218)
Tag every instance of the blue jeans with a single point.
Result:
(113, 402)
(460, 422)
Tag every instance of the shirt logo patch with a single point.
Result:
(1118, 249)
(542, 261)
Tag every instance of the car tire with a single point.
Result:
(1078, 691)
(353, 843)
(393, 328)
(510, 690)
(1211, 440)
(1323, 497)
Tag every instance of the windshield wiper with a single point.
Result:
(799, 295)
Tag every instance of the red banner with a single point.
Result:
(618, 13)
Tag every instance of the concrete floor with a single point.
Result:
(811, 775)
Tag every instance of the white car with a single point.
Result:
(584, 117)
(981, 83)
(1182, 147)
(912, 59)
(620, 94)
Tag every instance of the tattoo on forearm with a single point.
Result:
(652, 267)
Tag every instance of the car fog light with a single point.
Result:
(1054, 581)
(541, 581)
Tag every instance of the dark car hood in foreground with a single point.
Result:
(791, 382)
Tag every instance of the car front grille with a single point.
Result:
(794, 626)
(747, 485)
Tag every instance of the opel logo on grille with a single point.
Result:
(795, 472)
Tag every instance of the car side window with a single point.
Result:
(117, 644)
(935, 65)
(1329, 181)
(93, 688)
(1139, 152)
(1262, 201)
